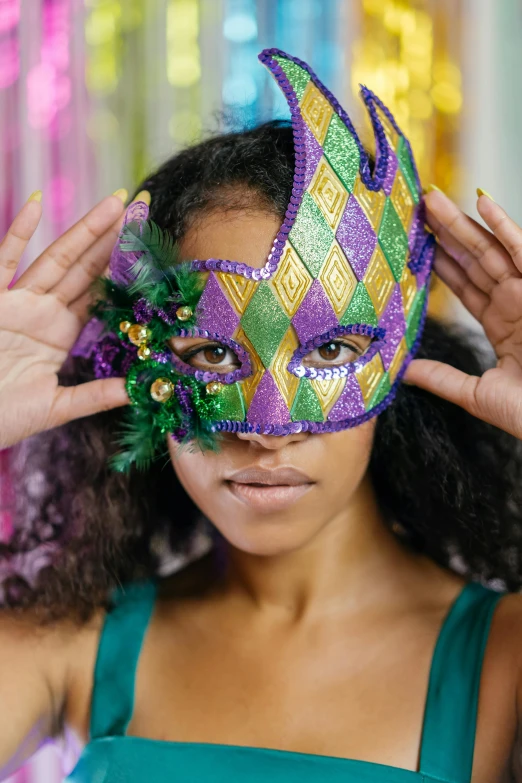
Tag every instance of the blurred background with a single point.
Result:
(94, 94)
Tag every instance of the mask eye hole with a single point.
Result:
(339, 351)
(206, 355)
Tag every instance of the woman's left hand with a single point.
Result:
(484, 269)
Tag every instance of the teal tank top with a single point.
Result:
(448, 733)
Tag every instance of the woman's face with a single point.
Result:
(266, 494)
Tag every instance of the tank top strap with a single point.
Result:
(450, 716)
(118, 653)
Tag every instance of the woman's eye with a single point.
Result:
(336, 352)
(211, 357)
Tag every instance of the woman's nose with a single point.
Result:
(272, 442)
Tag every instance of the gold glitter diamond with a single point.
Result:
(328, 392)
(372, 202)
(379, 280)
(250, 384)
(238, 289)
(316, 111)
(402, 200)
(329, 193)
(389, 131)
(291, 281)
(398, 359)
(370, 376)
(287, 382)
(338, 279)
(408, 284)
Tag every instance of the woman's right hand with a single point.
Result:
(41, 316)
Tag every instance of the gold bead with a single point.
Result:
(184, 313)
(161, 390)
(138, 334)
(214, 387)
(125, 326)
(144, 351)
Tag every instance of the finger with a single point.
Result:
(18, 235)
(473, 299)
(481, 243)
(504, 228)
(92, 263)
(444, 381)
(88, 267)
(75, 402)
(51, 266)
(468, 263)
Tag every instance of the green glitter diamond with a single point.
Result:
(382, 390)
(361, 309)
(265, 322)
(311, 235)
(342, 152)
(407, 169)
(231, 403)
(297, 76)
(412, 328)
(306, 405)
(393, 239)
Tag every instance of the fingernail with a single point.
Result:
(481, 192)
(143, 195)
(36, 196)
(122, 194)
(433, 187)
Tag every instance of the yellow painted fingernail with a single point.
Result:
(36, 196)
(122, 194)
(481, 192)
(432, 187)
(143, 195)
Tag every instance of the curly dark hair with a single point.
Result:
(448, 484)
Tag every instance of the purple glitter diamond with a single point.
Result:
(356, 237)
(267, 404)
(214, 313)
(350, 404)
(393, 321)
(391, 170)
(315, 315)
(314, 154)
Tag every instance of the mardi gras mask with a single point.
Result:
(352, 257)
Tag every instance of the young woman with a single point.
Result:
(336, 629)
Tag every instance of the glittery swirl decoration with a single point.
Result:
(352, 256)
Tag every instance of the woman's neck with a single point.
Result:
(332, 571)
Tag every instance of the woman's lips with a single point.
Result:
(269, 490)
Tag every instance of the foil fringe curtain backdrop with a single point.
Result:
(96, 93)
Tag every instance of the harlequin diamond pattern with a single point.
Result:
(398, 359)
(328, 392)
(264, 322)
(238, 288)
(250, 384)
(329, 193)
(369, 377)
(408, 285)
(402, 200)
(393, 240)
(379, 281)
(338, 279)
(372, 202)
(291, 281)
(286, 382)
(316, 111)
(389, 131)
